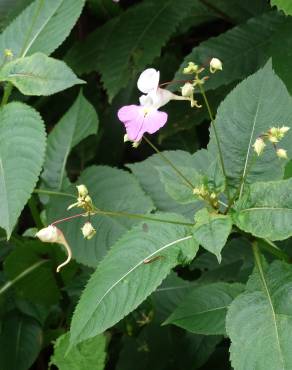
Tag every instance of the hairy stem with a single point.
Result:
(35, 213)
(51, 192)
(179, 173)
(7, 92)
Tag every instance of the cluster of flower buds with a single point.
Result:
(188, 88)
(274, 135)
(206, 194)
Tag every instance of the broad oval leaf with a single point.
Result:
(266, 210)
(134, 267)
(78, 122)
(203, 311)
(211, 230)
(259, 321)
(111, 190)
(39, 75)
(251, 109)
(87, 355)
(42, 26)
(20, 341)
(22, 148)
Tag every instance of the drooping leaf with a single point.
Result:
(211, 230)
(39, 75)
(22, 147)
(89, 354)
(284, 5)
(78, 122)
(259, 321)
(246, 113)
(243, 50)
(20, 341)
(41, 27)
(111, 190)
(129, 273)
(266, 210)
(203, 311)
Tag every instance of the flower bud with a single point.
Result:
(282, 153)
(88, 230)
(215, 65)
(259, 146)
(50, 234)
(275, 134)
(82, 191)
(8, 53)
(191, 68)
(187, 89)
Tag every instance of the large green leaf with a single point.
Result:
(42, 26)
(259, 321)
(87, 355)
(127, 275)
(266, 210)
(20, 341)
(203, 311)
(284, 5)
(111, 190)
(78, 122)
(39, 75)
(251, 109)
(243, 49)
(22, 148)
(211, 230)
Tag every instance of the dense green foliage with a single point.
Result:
(181, 243)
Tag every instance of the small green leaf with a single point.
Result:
(127, 275)
(254, 115)
(266, 210)
(284, 5)
(20, 341)
(89, 354)
(39, 75)
(42, 26)
(259, 321)
(22, 147)
(78, 122)
(203, 311)
(211, 230)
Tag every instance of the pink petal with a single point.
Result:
(154, 121)
(132, 117)
(128, 112)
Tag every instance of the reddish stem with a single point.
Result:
(68, 218)
(174, 82)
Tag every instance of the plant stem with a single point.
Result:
(274, 250)
(216, 138)
(51, 192)
(169, 162)
(35, 213)
(9, 284)
(7, 92)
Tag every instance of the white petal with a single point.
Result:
(161, 97)
(148, 80)
(146, 100)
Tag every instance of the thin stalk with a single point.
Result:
(216, 138)
(7, 92)
(274, 250)
(35, 213)
(179, 173)
(51, 192)
(24, 273)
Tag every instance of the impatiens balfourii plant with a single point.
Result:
(153, 261)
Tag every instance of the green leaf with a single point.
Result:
(203, 311)
(259, 321)
(243, 50)
(30, 270)
(78, 122)
(254, 115)
(211, 230)
(39, 75)
(41, 27)
(266, 210)
(284, 5)
(89, 354)
(20, 341)
(22, 147)
(111, 190)
(127, 275)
